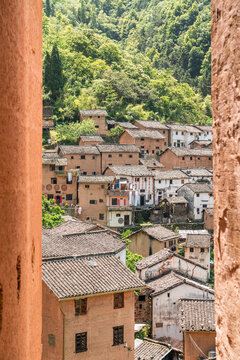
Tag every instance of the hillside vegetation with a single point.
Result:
(138, 59)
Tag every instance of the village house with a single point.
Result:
(85, 158)
(48, 122)
(119, 209)
(143, 307)
(58, 183)
(170, 210)
(92, 194)
(175, 157)
(183, 135)
(126, 125)
(90, 140)
(198, 144)
(197, 248)
(155, 126)
(148, 349)
(138, 179)
(150, 142)
(208, 219)
(199, 175)
(196, 319)
(167, 182)
(151, 164)
(167, 290)
(149, 240)
(99, 118)
(206, 132)
(115, 154)
(199, 197)
(151, 267)
(184, 233)
(81, 297)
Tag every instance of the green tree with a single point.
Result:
(48, 8)
(51, 213)
(69, 133)
(131, 260)
(53, 74)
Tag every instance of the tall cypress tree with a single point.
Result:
(47, 71)
(48, 8)
(56, 79)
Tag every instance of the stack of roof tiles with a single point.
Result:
(151, 350)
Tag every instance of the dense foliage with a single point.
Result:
(147, 59)
(51, 213)
(69, 133)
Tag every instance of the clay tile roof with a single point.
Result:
(78, 245)
(170, 280)
(187, 128)
(204, 128)
(133, 170)
(152, 124)
(151, 163)
(97, 112)
(47, 112)
(176, 200)
(87, 138)
(202, 142)
(70, 226)
(160, 233)
(126, 125)
(95, 179)
(151, 350)
(131, 148)
(198, 240)
(78, 149)
(196, 315)
(87, 276)
(190, 152)
(198, 172)
(152, 134)
(170, 174)
(199, 187)
(52, 158)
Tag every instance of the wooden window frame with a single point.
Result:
(118, 335)
(81, 342)
(80, 306)
(118, 299)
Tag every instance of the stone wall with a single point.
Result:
(226, 109)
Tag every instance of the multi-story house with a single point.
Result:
(183, 135)
(197, 248)
(126, 125)
(114, 154)
(199, 175)
(151, 164)
(199, 144)
(92, 194)
(206, 132)
(140, 181)
(84, 158)
(58, 182)
(155, 126)
(199, 197)
(175, 157)
(99, 118)
(88, 308)
(167, 182)
(150, 142)
(90, 140)
(119, 209)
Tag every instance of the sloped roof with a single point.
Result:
(151, 163)
(198, 240)
(204, 127)
(87, 138)
(85, 244)
(151, 350)
(152, 134)
(182, 151)
(133, 170)
(170, 280)
(79, 149)
(70, 226)
(88, 276)
(196, 315)
(126, 125)
(95, 179)
(52, 158)
(187, 128)
(160, 256)
(152, 124)
(200, 187)
(106, 148)
(169, 174)
(176, 200)
(97, 112)
(202, 142)
(47, 112)
(201, 172)
(160, 233)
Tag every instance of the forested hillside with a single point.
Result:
(147, 59)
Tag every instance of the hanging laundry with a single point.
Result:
(69, 176)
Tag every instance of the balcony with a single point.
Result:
(118, 193)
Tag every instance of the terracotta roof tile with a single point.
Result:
(79, 149)
(86, 138)
(118, 148)
(133, 170)
(182, 151)
(52, 158)
(95, 179)
(200, 187)
(198, 172)
(126, 125)
(70, 226)
(151, 350)
(93, 112)
(152, 124)
(170, 174)
(151, 163)
(198, 240)
(152, 134)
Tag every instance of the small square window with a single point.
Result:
(120, 155)
(141, 298)
(202, 250)
(87, 186)
(92, 202)
(72, 157)
(52, 167)
(170, 181)
(51, 340)
(190, 157)
(183, 158)
(157, 140)
(68, 181)
(130, 156)
(209, 158)
(163, 131)
(191, 249)
(118, 300)
(176, 132)
(69, 197)
(101, 216)
(84, 173)
(157, 147)
(118, 215)
(96, 126)
(77, 167)
(87, 218)
(197, 195)
(102, 186)
(81, 307)
(81, 342)
(153, 151)
(93, 157)
(142, 139)
(94, 173)
(114, 201)
(109, 155)
(83, 157)
(101, 200)
(118, 335)
(54, 181)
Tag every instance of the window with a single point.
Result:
(165, 143)
(93, 157)
(69, 197)
(84, 173)
(87, 218)
(109, 164)
(72, 157)
(170, 181)
(80, 307)
(118, 300)
(141, 298)
(118, 215)
(157, 140)
(109, 155)
(114, 201)
(182, 181)
(87, 186)
(198, 158)
(142, 139)
(98, 116)
(130, 156)
(81, 342)
(202, 250)
(60, 168)
(168, 294)
(51, 340)
(183, 158)
(191, 249)
(191, 134)
(68, 182)
(50, 196)
(204, 206)
(102, 186)
(96, 126)
(210, 195)
(182, 133)
(163, 131)
(117, 335)
(176, 132)
(120, 155)
(157, 147)
(92, 202)
(83, 157)
(101, 216)
(165, 244)
(101, 200)
(197, 195)
(198, 211)
(94, 173)
(77, 167)
(190, 157)
(210, 158)
(137, 179)
(159, 181)
(153, 151)
(52, 167)
(140, 306)
(175, 144)
(53, 181)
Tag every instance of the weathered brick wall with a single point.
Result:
(226, 109)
